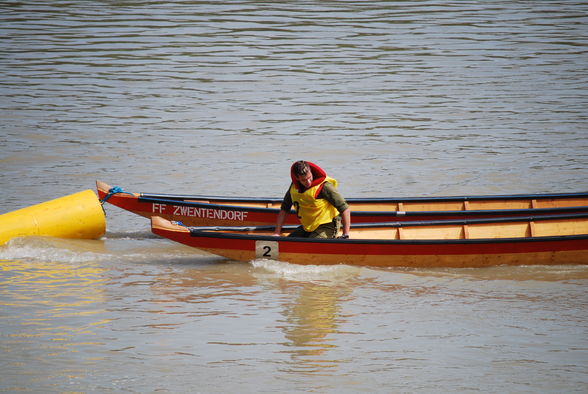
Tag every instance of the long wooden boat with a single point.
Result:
(241, 211)
(542, 240)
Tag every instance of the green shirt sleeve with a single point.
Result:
(287, 201)
(331, 194)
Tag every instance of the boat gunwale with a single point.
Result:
(180, 197)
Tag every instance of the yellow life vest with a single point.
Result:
(311, 211)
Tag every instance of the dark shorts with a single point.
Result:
(326, 230)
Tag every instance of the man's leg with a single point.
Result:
(327, 230)
(299, 232)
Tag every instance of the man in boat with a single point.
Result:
(317, 203)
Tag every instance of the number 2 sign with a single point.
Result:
(267, 250)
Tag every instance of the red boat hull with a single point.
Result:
(387, 253)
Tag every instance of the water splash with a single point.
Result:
(51, 249)
(111, 249)
(269, 269)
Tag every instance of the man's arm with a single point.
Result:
(346, 221)
(331, 194)
(284, 210)
(280, 222)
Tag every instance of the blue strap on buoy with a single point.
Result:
(111, 191)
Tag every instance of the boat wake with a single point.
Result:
(271, 269)
(51, 249)
(130, 235)
(124, 247)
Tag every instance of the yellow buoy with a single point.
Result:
(78, 215)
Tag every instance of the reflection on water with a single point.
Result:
(67, 287)
(312, 310)
(309, 322)
(50, 313)
(202, 286)
(511, 273)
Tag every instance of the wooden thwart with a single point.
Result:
(466, 232)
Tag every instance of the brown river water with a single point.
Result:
(415, 98)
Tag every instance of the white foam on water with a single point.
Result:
(50, 249)
(303, 273)
(121, 248)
